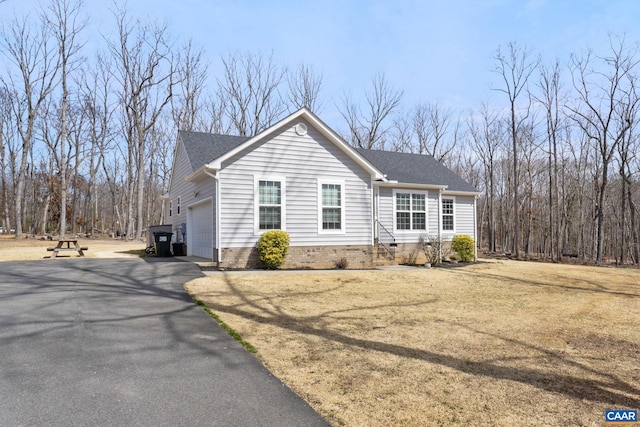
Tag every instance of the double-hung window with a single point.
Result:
(331, 207)
(411, 211)
(270, 205)
(447, 214)
(170, 208)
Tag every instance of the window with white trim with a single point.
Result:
(269, 205)
(331, 205)
(448, 223)
(178, 206)
(170, 208)
(411, 211)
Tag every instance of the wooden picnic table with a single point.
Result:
(65, 245)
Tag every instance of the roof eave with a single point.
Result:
(196, 175)
(461, 193)
(410, 185)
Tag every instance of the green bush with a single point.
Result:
(272, 248)
(464, 245)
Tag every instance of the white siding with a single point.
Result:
(179, 187)
(385, 208)
(302, 161)
(190, 193)
(464, 215)
(386, 215)
(385, 234)
(434, 220)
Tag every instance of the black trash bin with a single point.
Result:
(162, 241)
(178, 249)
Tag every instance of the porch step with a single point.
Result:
(384, 255)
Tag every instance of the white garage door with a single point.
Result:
(200, 229)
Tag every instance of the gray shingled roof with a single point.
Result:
(406, 168)
(415, 169)
(202, 147)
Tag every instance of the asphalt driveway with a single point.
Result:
(119, 342)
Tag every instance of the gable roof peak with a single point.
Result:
(314, 121)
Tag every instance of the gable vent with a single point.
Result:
(301, 129)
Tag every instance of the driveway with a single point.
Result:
(119, 342)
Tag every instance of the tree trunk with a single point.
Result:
(623, 209)
(552, 228)
(21, 184)
(600, 212)
(140, 191)
(516, 199)
(63, 153)
(6, 223)
(492, 211)
(634, 229)
(559, 218)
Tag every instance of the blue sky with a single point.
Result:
(435, 51)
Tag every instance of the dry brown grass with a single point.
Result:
(498, 343)
(12, 249)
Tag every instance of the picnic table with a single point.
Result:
(65, 245)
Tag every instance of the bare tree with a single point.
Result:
(304, 88)
(402, 139)
(550, 87)
(96, 106)
(63, 19)
(487, 134)
(515, 66)
(581, 165)
(30, 51)
(212, 119)
(186, 104)
(626, 153)
(80, 149)
(144, 68)
(250, 92)
(6, 128)
(431, 124)
(635, 249)
(606, 109)
(46, 127)
(531, 167)
(368, 129)
(421, 126)
(162, 144)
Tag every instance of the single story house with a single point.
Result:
(335, 201)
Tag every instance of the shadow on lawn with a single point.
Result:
(579, 285)
(608, 390)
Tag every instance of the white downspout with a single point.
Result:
(376, 209)
(440, 224)
(475, 227)
(217, 214)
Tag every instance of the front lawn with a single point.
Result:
(497, 343)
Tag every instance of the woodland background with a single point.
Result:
(87, 136)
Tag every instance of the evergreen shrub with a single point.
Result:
(272, 248)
